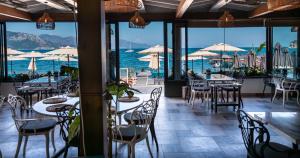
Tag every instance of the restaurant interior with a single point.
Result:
(217, 101)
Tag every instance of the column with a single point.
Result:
(92, 75)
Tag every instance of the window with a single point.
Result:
(25, 37)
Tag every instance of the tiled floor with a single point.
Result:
(182, 132)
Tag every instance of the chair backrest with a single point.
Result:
(65, 116)
(278, 82)
(155, 95)
(17, 106)
(1, 100)
(198, 84)
(144, 114)
(253, 132)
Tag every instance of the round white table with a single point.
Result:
(40, 107)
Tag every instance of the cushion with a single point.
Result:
(270, 153)
(36, 126)
(128, 132)
(140, 120)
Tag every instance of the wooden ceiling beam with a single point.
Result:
(219, 4)
(14, 14)
(54, 4)
(285, 5)
(182, 7)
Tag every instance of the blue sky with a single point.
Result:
(153, 34)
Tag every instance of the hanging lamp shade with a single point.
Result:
(137, 21)
(45, 22)
(226, 20)
(121, 6)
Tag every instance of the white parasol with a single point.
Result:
(251, 59)
(236, 61)
(13, 58)
(277, 56)
(221, 47)
(13, 52)
(158, 49)
(32, 55)
(153, 60)
(67, 51)
(58, 58)
(286, 59)
(32, 65)
(202, 53)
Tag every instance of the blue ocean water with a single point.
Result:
(127, 60)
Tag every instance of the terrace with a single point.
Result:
(210, 69)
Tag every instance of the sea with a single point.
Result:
(127, 60)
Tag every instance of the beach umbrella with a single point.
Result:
(13, 58)
(221, 47)
(276, 56)
(236, 61)
(251, 59)
(203, 53)
(13, 52)
(286, 59)
(193, 58)
(32, 65)
(263, 63)
(67, 51)
(58, 58)
(157, 49)
(32, 55)
(153, 60)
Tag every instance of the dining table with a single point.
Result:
(286, 124)
(41, 107)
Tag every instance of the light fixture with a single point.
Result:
(121, 6)
(226, 20)
(137, 21)
(45, 22)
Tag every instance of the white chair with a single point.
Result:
(284, 86)
(199, 87)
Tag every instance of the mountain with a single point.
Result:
(19, 40)
(124, 44)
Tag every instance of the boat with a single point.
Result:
(130, 50)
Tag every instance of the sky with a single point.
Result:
(153, 34)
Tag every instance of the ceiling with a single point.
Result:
(175, 7)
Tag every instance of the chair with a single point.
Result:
(64, 121)
(286, 87)
(229, 89)
(268, 82)
(28, 126)
(256, 139)
(137, 129)
(199, 87)
(155, 95)
(1, 101)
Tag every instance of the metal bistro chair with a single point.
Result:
(138, 128)
(286, 87)
(65, 119)
(29, 126)
(199, 87)
(256, 139)
(155, 95)
(229, 89)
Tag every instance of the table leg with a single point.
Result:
(239, 97)
(295, 146)
(216, 99)
(212, 98)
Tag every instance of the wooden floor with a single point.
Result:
(182, 131)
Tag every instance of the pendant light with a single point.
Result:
(137, 21)
(45, 22)
(226, 20)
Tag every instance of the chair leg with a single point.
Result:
(274, 95)
(264, 90)
(298, 97)
(148, 146)
(132, 149)
(283, 98)
(66, 151)
(153, 134)
(193, 99)
(24, 147)
(47, 145)
(52, 138)
(19, 145)
(129, 150)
